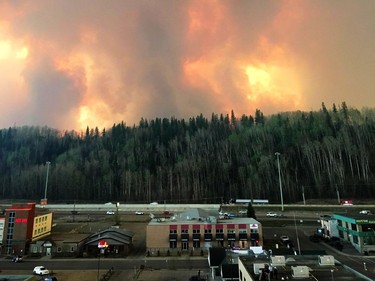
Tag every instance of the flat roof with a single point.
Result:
(319, 272)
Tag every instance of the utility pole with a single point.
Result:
(303, 195)
(338, 195)
(281, 188)
(44, 200)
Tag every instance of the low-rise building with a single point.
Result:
(359, 230)
(197, 230)
(24, 224)
(301, 267)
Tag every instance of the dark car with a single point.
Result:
(17, 259)
(50, 278)
(314, 238)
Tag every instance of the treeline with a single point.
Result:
(200, 160)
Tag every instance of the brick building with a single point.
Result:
(197, 230)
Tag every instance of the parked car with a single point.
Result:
(139, 213)
(281, 216)
(40, 270)
(271, 214)
(110, 212)
(365, 212)
(17, 259)
(315, 238)
(242, 212)
(50, 278)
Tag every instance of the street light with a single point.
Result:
(45, 190)
(102, 246)
(281, 188)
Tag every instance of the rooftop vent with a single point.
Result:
(326, 260)
(300, 271)
(258, 268)
(278, 261)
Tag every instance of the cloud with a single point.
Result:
(93, 63)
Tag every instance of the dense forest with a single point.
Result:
(201, 160)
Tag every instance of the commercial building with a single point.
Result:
(359, 230)
(197, 230)
(23, 224)
(301, 267)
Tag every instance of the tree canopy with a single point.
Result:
(199, 160)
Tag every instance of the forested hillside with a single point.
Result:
(197, 160)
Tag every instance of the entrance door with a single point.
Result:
(48, 251)
(185, 245)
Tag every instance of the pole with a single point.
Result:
(97, 278)
(281, 188)
(303, 195)
(45, 190)
(295, 225)
(338, 195)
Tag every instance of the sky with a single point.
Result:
(73, 64)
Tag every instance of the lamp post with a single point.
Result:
(281, 188)
(102, 245)
(45, 189)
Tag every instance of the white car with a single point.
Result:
(139, 213)
(40, 270)
(365, 212)
(110, 212)
(271, 214)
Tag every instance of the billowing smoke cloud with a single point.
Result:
(72, 64)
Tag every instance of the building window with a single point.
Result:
(355, 239)
(173, 231)
(207, 231)
(185, 231)
(59, 249)
(220, 230)
(173, 244)
(72, 249)
(196, 244)
(196, 231)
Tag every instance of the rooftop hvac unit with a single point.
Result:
(300, 271)
(326, 260)
(278, 261)
(258, 268)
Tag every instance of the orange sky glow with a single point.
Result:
(73, 64)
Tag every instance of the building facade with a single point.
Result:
(359, 230)
(198, 230)
(21, 222)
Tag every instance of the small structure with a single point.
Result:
(120, 243)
